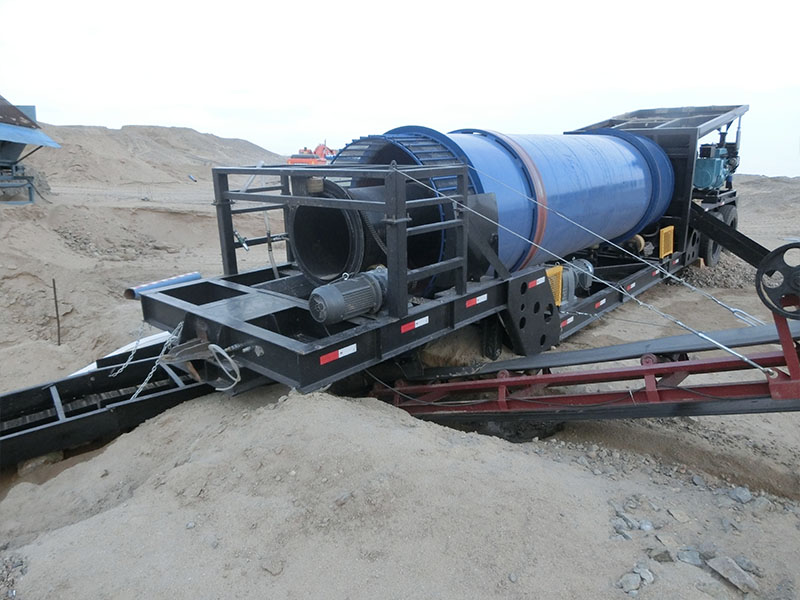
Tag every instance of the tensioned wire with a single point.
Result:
(737, 312)
(667, 316)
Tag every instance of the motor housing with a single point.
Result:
(362, 294)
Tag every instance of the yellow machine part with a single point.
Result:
(666, 241)
(554, 277)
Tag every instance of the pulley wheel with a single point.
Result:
(778, 281)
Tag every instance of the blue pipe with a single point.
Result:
(133, 293)
(613, 183)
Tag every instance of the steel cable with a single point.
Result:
(667, 316)
(737, 312)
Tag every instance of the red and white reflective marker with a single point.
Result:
(654, 273)
(337, 354)
(566, 322)
(412, 325)
(630, 286)
(535, 282)
(477, 300)
(600, 303)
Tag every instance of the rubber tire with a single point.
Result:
(730, 215)
(709, 249)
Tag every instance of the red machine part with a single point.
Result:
(660, 394)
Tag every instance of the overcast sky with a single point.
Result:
(288, 74)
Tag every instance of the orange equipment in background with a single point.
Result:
(320, 156)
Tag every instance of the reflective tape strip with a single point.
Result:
(600, 303)
(412, 325)
(536, 282)
(337, 354)
(566, 322)
(630, 286)
(477, 300)
(676, 261)
(654, 273)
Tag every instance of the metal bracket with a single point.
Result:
(481, 246)
(742, 246)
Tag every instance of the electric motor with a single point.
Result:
(358, 295)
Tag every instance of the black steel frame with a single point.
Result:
(678, 132)
(266, 315)
(292, 191)
(13, 177)
(266, 318)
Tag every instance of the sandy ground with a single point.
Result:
(317, 495)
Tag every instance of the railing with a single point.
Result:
(296, 181)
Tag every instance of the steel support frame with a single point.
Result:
(14, 178)
(241, 311)
(237, 314)
(677, 131)
(293, 192)
(532, 396)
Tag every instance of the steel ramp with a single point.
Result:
(89, 406)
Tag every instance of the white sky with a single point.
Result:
(288, 74)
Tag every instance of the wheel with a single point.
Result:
(709, 249)
(730, 216)
(778, 281)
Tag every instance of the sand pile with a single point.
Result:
(777, 190)
(136, 154)
(318, 496)
(730, 273)
(123, 211)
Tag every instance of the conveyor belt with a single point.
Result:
(86, 407)
(733, 338)
(722, 406)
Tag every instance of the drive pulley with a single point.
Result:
(778, 281)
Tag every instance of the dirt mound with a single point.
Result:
(140, 155)
(731, 272)
(781, 190)
(318, 496)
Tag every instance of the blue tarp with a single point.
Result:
(25, 135)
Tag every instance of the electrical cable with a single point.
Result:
(272, 262)
(234, 374)
(38, 193)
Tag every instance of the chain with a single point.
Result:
(174, 337)
(374, 233)
(124, 366)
